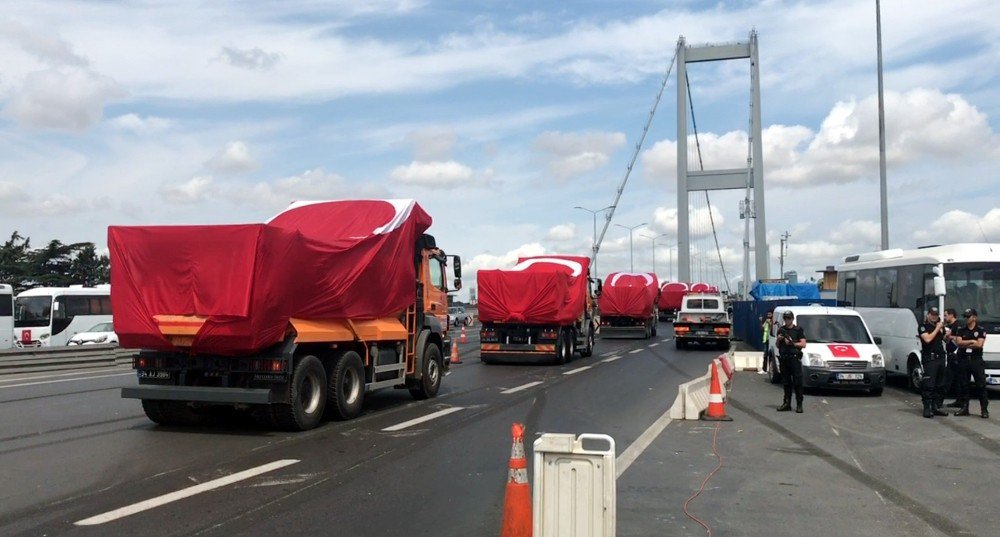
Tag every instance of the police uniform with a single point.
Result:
(970, 363)
(951, 372)
(932, 357)
(790, 358)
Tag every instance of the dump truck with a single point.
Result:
(702, 319)
(289, 320)
(671, 295)
(628, 305)
(542, 309)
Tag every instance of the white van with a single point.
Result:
(840, 351)
(6, 316)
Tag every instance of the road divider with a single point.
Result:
(63, 358)
(57, 381)
(693, 396)
(746, 361)
(158, 501)
(422, 419)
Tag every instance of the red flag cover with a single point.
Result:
(671, 295)
(629, 294)
(843, 351)
(538, 290)
(315, 260)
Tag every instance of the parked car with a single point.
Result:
(99, 334)
(458, 317)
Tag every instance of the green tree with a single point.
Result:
(55, 265)
(13, 261)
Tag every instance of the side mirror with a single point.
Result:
(600, 289)
(457, 284)
(878, 340)
(456, 267)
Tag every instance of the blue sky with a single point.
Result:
(498, 117)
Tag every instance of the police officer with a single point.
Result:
(932, 357)
(790, 340)
(970, 341)
(951, 326)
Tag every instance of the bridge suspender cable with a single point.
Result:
(635, 155)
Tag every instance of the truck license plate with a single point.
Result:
(153, 374)
(993, 380)
(850, 376)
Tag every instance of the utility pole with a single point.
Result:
(593, 245)
(631, 259)
(653, 239)
(781, 254)
(881, 132)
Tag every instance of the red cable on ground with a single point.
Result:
(715, 451)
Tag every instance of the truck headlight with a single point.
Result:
(878, 361)
(816, 360)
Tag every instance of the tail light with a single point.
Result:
(682, 329)
(722, 330)
(268, 366)
(549, 333)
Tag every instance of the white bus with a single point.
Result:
(6, 316)
(50, 316)
(892, 290)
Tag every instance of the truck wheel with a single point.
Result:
(345, 387)
(307, 397)
(176, 413)
(564, 347)
(588, 350)
(654, 328)
(725, 345)
(430, 381)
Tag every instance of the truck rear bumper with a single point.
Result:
(608, 332)
(202, 394)
(517, 352)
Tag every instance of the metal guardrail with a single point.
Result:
(63, 358)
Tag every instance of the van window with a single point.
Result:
(833, 329)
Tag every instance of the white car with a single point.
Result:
(840, 351)
(99, 334)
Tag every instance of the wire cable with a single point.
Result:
(715, 451)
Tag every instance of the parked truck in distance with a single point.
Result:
(288, 320)
(702, 319)
(542, 309)
(628, 305)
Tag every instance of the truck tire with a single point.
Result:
(307, 397)
(170, 413)
(588, 350)
(430, 379)
(345, 387)
(564, 347)
(724, 345)
(654, 328)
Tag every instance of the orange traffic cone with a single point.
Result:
(517, 501)
(726, 366)
(454, 353)
(716, 404)
(463, 338)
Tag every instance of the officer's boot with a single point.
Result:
(798, 406)
(984, 401)
(964, 411)
(928, 413)
(785, 406)
(936, 409)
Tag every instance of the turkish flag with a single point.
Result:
(843, 351)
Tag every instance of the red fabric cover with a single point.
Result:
(538, 290)
(671, 295)
(629, 294)
(700, 287)
(326, 260)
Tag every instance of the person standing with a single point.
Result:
(932, 358)
(790, 340)
(970, 341)
(766, 329)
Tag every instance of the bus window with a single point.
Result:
(6, 307)
(885, 288)
(865, 292)
(974, 285)
(33, 311)
(910, 289)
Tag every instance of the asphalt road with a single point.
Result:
(72, 450)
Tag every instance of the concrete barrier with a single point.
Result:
(747, 361)
(692, 396)
(63, 358)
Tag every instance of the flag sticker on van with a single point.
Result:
(843, 351)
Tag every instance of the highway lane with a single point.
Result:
(445, 475)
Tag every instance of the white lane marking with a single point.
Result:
(417, 421)
(664, 340)
(612, 359)
(577, 370)
(184, 493)
(636, 351)
(651, 345)
(85, 372)
(607, 354)
(522, 387)
(836, 432)
(636, 448)
(64, 380)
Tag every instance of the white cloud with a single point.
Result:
(699, 220)
(433, 174)
(194, 190)
(254, 59)
(234, 158)
(63, 98)
(46, 47)
(432, 143)
(10, 191)
(857, 232)
(314, 184)
(568, 155)
(972, 227)
(506, 260)
(561, 233)
(140, 125)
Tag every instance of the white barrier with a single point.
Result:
(574, 491)
(692, 396)
(747, 361)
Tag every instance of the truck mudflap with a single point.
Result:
(204, 394)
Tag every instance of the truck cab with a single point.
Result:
(840, 351)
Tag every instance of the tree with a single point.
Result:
(13, 261)
(55, 265)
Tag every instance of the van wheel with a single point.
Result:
(170, 413)
(345, 388)
(588, 351)
(430, 379)
(307, 397)
(914, 373)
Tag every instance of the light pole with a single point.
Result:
(631, 261)
(883, 190)
(653, 240)
(593, 243)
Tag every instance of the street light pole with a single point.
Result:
(653, 239)
(631, 259)
(593, 244)
(883, 189)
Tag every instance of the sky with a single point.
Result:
(500, 117)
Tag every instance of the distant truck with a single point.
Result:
(628, 305)
(287, 320)
(671, 295)
(702, 319)
(542, 309)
